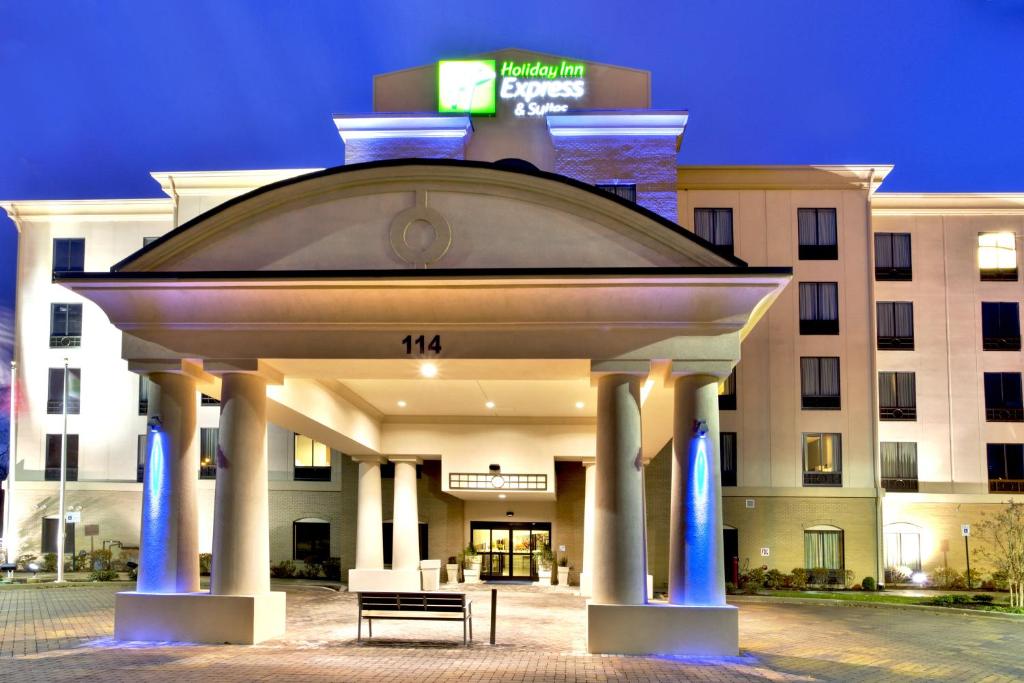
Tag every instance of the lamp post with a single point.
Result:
(63, 480)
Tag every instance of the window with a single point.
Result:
(311, 540)
(819, 308)
(53, 444)
(823, 549)
(816, 233)
(823, 459)
(388, 536)
(205, 400)
(997, 256)
(728, 457)
(897, 396)
(65, 325)
(55, 394)
(146, 241)
(51, 527)
(895, 325)
(312, 460)
(143, 394)
(902, 555)
(727, 392)
(892, 256)
(140, 467)
(715, 226)
(1000, 326)
(819, 383)
(68, 255)
(626, 191)
(208, 452)
(1005, 467)
(899, 465)
(1003, 397)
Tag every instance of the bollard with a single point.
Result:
(494, 611)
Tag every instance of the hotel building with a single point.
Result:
(439, 332)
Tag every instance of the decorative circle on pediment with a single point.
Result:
(434, 248)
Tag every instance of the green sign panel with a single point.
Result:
(466, 86)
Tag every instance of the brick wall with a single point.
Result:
(570, 482)
(650, 162)
(358, 151)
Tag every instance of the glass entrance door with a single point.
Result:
(510, 550)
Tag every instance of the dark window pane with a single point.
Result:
(897, 395)
(624, 190)
(817, 234)
(892, 256)
(1000, 326)
(53, 445)
(55, 391)
(727, 392)
(715, 226)
(312, 541)
(68, 255)
(208, 452)
(819, 383)
(728, 458)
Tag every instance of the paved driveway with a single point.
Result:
(64, 634)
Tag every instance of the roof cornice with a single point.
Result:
(948, 204)
(222, 183)
(805, 177)
(77, 210)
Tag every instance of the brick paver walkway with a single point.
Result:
(64, 634)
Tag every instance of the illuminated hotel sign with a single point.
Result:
(473, 86)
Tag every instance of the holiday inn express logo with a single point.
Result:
(466, 86)
(470, 86)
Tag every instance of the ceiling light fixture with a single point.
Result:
(428, 370)
(580, 405)
(402, 404)
(490, 405)
(502, 496)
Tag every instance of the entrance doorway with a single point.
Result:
(510, 550)
(731, 544)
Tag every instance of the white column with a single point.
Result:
(620, 555)
(695, 571)
(586, 575)
(369, 540)
(405, 541)
(169, 533)
(241, 524)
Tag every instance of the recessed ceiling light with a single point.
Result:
(402, 404)
(502, 496)
(580, 405)
(490, 405)
(428, 370)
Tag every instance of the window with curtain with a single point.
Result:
(311, 540)
(312, 460)
(143, 394)
(824, 549)
(68, 255)
(727, 392)
(727, 447)
(819, 308)
(55, 391)
(892, 256)
(1003, 397)
(902, 555)
(997, 256)
(208, 453)
(823, 459)
(819, 383)
(1000, 326)
(1005, 467)
(53, 444)
(65, 325)
(715, 226)
(897, 395)
(899, 465)
(895, 325)
(817, 235)
(140, 466)
(626, 191)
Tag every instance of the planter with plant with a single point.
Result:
(471, 564)
(563, 570)
(545, 558)
(452, 570)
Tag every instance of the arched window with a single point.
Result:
(902, 551)
(311, 539)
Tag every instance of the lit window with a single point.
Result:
(997, 255)
(208, 452)
(823, 459)
(312, 460)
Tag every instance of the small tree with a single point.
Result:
(1003, 536)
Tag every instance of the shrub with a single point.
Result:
(947, 578)
(982, 599)
(819, 576)
(730, 588)
(774, 579)
(950, 600)
(103, 575)
(332, 568)
(205, 562)
(282, 570)
(49, 563)
(312, 569)
(753, 580)
(868, 583)
(25, 560)
(798, 579)
(100, 559)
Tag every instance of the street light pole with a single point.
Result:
(63, 480)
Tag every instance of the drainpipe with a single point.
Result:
(875, 449)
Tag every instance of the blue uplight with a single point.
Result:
(155, 541)
(702, 552)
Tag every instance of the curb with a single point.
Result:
(754, 599)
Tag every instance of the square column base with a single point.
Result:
(199, 617)
(371, 580)
(663, 629)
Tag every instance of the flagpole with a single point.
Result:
(63, 480)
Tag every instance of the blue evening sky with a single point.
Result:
(97, 93)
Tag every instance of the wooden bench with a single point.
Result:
(419, 605)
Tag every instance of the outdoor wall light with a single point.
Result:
(131, 565)
(402, 404)
(580, 405)
(155, 423)
(700, 428)
(490, 405)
